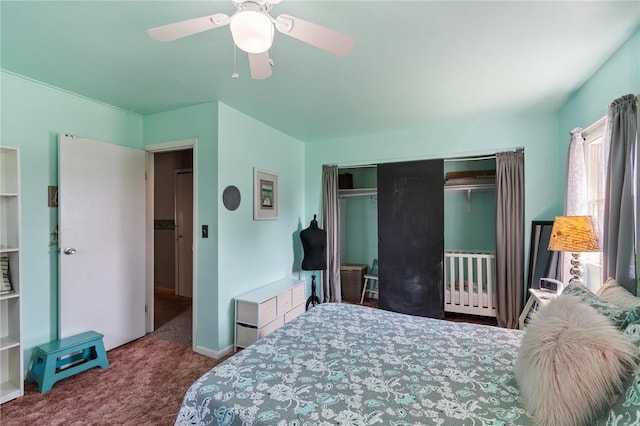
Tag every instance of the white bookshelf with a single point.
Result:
(11, 351)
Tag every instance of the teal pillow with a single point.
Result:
(616, 314)
(633, 317)
(626, 409)
(632, 332)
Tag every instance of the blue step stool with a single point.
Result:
(63, 358)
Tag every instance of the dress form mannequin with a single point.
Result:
(314, 241)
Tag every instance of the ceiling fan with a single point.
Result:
(252, 29)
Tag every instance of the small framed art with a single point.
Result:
(265, 195)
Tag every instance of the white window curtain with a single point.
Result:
(576, 198)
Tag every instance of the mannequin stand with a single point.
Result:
(313, 300)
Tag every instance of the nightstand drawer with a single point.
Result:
(284, 302)
(298, 295)
(273, 325)
(297, 311)
(257, 313)
(245, 336)
(268, 310)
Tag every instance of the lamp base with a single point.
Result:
(576, 269)
(576, 280)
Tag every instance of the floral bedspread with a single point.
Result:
(341, 364)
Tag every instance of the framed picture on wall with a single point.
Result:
(265, 195)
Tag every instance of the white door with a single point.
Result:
(184, 232)
(102, 240)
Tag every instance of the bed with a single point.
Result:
(354, 365)
(469, 282)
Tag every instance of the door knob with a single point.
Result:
(69, 250)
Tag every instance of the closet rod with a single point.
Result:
(486, 157)
(358, 166)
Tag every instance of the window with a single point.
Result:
(596, 169)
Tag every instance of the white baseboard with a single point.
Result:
(214, 354)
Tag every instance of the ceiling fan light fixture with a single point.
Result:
(252, 31)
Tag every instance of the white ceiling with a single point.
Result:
(413, 61)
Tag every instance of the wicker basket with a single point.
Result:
(352, 280)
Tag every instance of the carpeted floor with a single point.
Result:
(144, 385)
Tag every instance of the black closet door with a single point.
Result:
(411, 237)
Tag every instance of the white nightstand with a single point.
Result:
(537, 298)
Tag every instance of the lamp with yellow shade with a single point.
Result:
(574, 234)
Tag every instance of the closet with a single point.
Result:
(470, 232)
(408, 217)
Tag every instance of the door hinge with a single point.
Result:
(145, 309)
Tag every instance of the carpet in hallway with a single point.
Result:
(173, 317)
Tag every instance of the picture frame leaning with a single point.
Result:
(265, 195)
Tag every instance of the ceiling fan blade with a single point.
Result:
(189, 27)
(260, 65)
(316, 35)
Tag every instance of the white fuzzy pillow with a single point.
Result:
(572, 363)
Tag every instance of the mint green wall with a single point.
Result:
(619, 76)
(32, 117)
(536, 132)
(199, 122)
(253, 253)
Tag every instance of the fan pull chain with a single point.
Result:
(234, 74)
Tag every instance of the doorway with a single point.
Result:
(173, 245)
